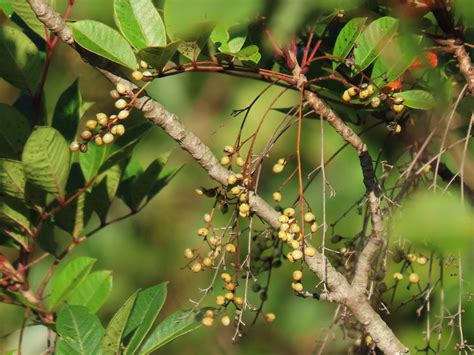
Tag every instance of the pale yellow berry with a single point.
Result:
(297, 286)
(199, 192)
(370, 89)
(220, 300)
(398, 128)
(102, 119)
(99, 141)
(284, 227)
(283, 219)
(203, 232)
(295, 228)
(238, 300)
(91, 124)
(363, 94)
(235, 190)
(231, 179)
(352, 91)
(427, 169)
(118, 130)
(225, 160)
(240, 161)
(282, 161)
(346, 97)
(243, 215)
(422, 260)
(207, 217)
(230, 286)
(86, 135)
(121, 104)
(143, 64)
(398, 100)
(188, 253)
(314, 227)
(214, 240)
(225, 321)
(276, 196)
(108, 138)
(358, 342)
(411, 258)
(282, 235)
(137, 75)
(398, 108)
(294, 244)
(414, 278)
(123, 114)
(270, 317)
(290, 258)
(114, 94)
(74, 147)
(243, 197)
(398, 276)
(228, 149)
(209, 313)
(297, 275)
(290, 212)
(309, 217)
(369, 340)
(226, 277)
(196, 267)
(207, 262)
(207, 321)
(277, 168)
(297, 254)
(147, 74)
(244, 208)
(309, 251)
(121, 88)
(230, 248)
(375, 102)
(229, 296)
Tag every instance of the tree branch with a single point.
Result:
(340, 288)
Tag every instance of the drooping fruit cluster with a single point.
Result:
(104, 129)
(365, 93)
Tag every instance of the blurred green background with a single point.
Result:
(147, 248)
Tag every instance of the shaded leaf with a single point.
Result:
(15, 212)
(147, 307)
(104, 41)
(92, 160)
(157, 57)
(346, 38)
(46, 238)
(104, 190)
(170, 328)
(112, 343)
(14, 133)
(66, 280)
(13, 237)
(140, 23)
(68, 111)
(46, 160)
(20, 62)
(12, 179)
(373, 40)
(418, 99)
(74, 218)
(93, 292)
(81, 332)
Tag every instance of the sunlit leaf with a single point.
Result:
(157, 57)
(346, 38)
(104, 41)
(418, 99)
(93, 292)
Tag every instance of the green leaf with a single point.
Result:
(140, 23)
(165, 177)
(68, 111)
(417, 99)
(157, 57)
(46, 160)
(170, 328)
(112, 343)
(65, 281)
(92, 160)
(14, 133)
(144, 313)
(193, 44)
(20, 62)
(346, 38)
(13, 235)
(131, 173)
(12, 179)
(24, 11)
(81, 332)
(15, 212)
(249, 54)
(436, 220)
(6, 7)
(73, 219)
(93, 291)
(395, 59)
(104, 41)
(145, 182)
(104, 190)
(373, 40)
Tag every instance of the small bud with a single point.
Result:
(188, 253)
(123, 114)
(297, 275)
(121, 104)
(240, 161)
(137, 75)
(309, 217)
(121, 88)
(74, 147)
(276, 196)
(207, 217)
(225, 321)
(398, 100)
(369, 340)
(277, 168)
(411, 257)
(108, 138)
(196, 267)
(225, 160)
(398, 129)
(270, 317)
(83, 148)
